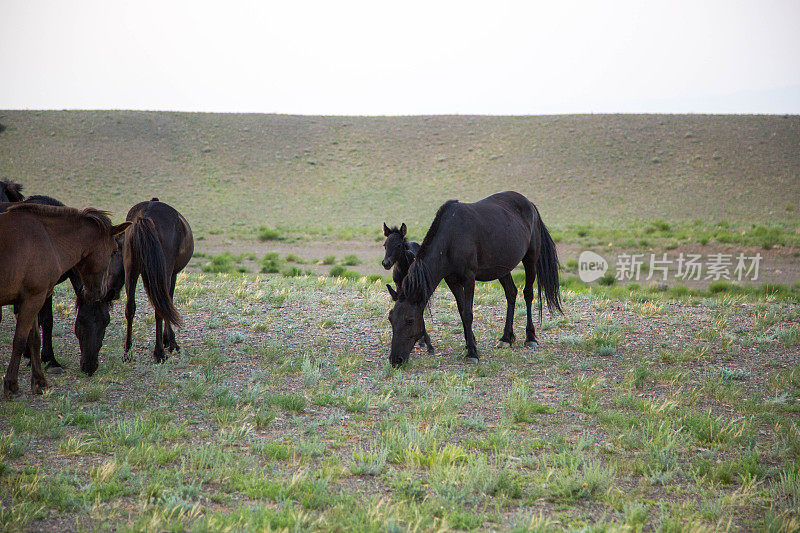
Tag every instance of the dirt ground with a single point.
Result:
(777, 265)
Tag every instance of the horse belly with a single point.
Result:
(499, 257)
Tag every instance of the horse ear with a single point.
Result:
(403, 229)
(385, 230)
(392, 292)
(119, 228)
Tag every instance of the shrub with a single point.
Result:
(292, 272)
(271, 263)
(329, 260)
(338, 271)
(607, 279)
(351, 260)
(266, 233)
(720, 285)
(224, 262)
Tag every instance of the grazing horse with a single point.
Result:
(39, 244)
(157, 246)
(12, 191)
(482, 241)
(400, 253)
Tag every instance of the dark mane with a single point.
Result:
(11, 190)
(43, 200)
(417, 285)
(434, 227)
(95, 215)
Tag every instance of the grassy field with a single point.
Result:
(647, 407)
(642, 410)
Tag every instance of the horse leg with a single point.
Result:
(464, 293)
(527, 292)
(426, 339)
(510, 289)
(130, 308)
(169, 334)
(46, 321)
(26, 319)
(38, 381)
(466, 319)
(158, 351)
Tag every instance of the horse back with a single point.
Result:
(490, 237)
(28, 264)
(172, 229)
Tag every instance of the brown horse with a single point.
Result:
(158, 246)
(12, 192)
(40, 243)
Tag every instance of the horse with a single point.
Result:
(158, 245)
(12, 191)
(469, 242)
(39, 243)
(400, 253)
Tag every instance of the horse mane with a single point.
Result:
(94, 215)
(12, 190)
(434, 229)
(43, 200)
(416, 286)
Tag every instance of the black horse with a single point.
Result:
(400, 253)
(483, 241)
(12, 192)
(157, 246)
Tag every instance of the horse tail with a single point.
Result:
(146, 252)
(547, 271)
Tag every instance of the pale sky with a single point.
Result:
(402, 58)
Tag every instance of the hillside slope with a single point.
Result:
(232, 172)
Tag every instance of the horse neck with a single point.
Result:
(72, 238)
(432, 261)
(404, 261)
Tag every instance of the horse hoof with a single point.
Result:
(531, 344)
(55, 370)
(431, 350)
(10, 390)
(503, 344)
(472, 360)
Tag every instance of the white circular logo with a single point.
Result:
(591, 266)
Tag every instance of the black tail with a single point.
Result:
(145, 248)
(547, 271)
